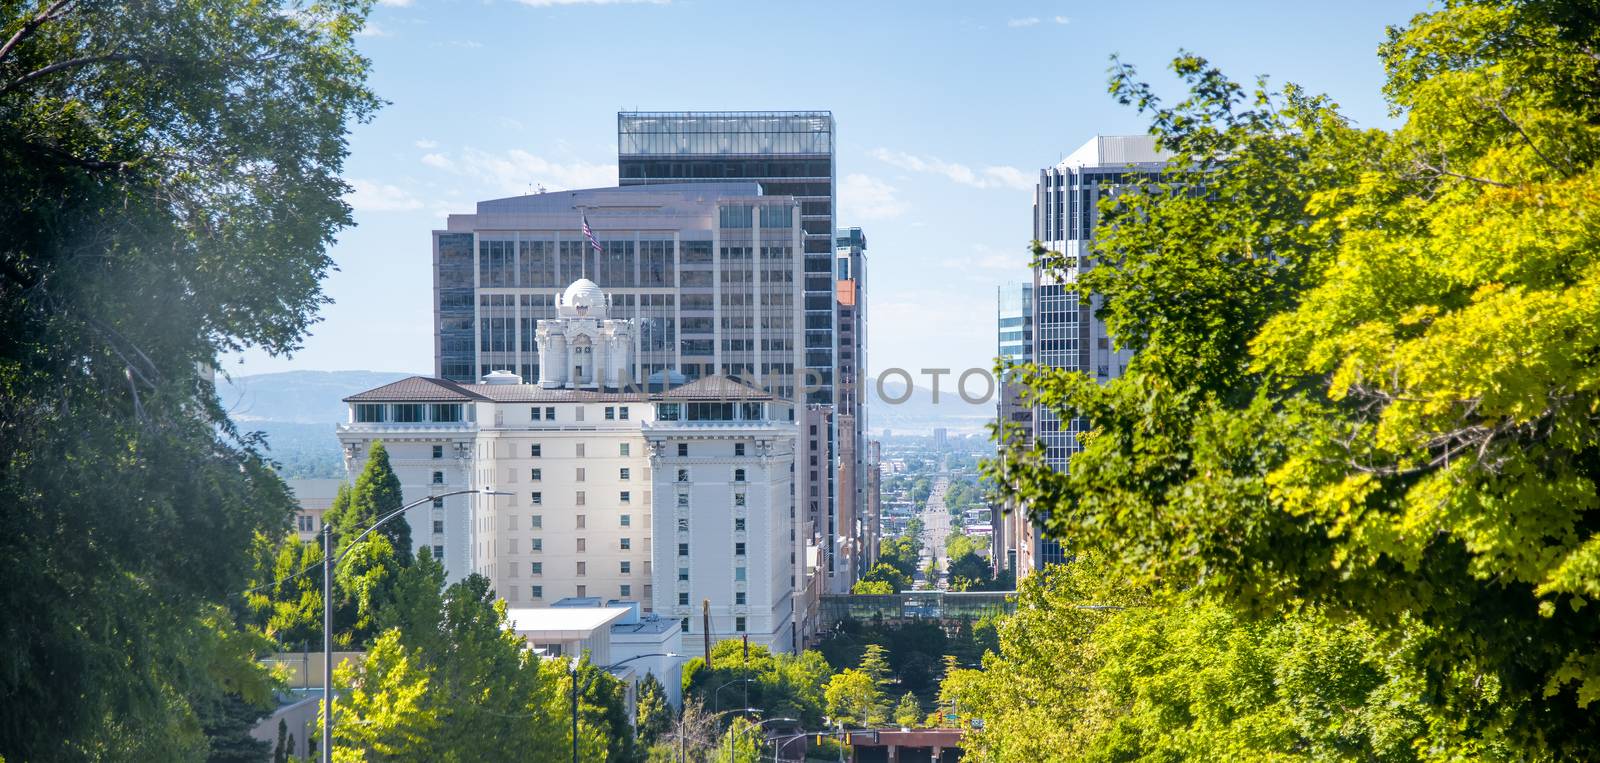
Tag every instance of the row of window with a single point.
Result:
(624, 473)
(408, 413)
(548, 413)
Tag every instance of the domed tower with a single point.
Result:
(584, 348)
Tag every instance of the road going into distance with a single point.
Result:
(936, 525)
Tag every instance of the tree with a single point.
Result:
(1363, 380)
(782, 685)
(887, 576)
(286, 599)
(172, 180)
(654, 716)
(857, 695)
(866, 587)
(376, 494)
(908, 713)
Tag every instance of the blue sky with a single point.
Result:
(945, 113)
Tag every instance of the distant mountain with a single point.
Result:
(919, 413)
(297, 411)
(301, 397)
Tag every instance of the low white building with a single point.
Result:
(614, 635)
(675, 498)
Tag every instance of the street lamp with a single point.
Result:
(775, 745)
(716, 695)
(328, 563)
(573, 670)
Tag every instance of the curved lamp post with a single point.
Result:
(573, 670)
(328, 563)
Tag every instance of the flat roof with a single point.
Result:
(563, 622)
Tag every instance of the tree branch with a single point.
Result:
(27, 30)
(71, 63)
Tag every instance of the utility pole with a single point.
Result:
(705, 615)
(327, 643)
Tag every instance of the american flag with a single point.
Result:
(589, 234)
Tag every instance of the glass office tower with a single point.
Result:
(790, 153)
(1066, 333)
(709, 271)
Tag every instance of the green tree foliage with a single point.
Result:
(1365, 374)
(375, 495)
(740, 743)
(962, 495)
(901, 552)
(172, 181)
(908, 712)
(451, 683)
(654, 716)
(886, 577)
(855, 696)
(782, 685)
(866, 587)
(286, 596)
(1096, 668)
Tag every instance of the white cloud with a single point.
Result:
(551, 3)
(372, 30)
(396, 3)
(863, 197)
(993, 176)
(427, 144)
(372, 196)
(992, 262)
(1062, 19)
(1029, 21)
(516, 171)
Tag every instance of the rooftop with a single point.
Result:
(432, 390)
(658, 197)
(1115, 151)
(563, 623)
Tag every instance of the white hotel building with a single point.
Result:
(673, 497)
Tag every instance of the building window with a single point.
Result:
(738, 549)
(626, 590)
(534, 451)
(738, 524)
(647, 594)
(438, 451)
(580, 499)
(438, 478)
(683, 524)
(622, 413)
(438, 554)
(738, 449)
(438, 503)
(683, 475)
(579, 450)
(446, 413)
(583, 545)
(738, 624)
(683, 549)
(627, 519)
(534, 413)
(683, 499)
(438, 525)
(611, 413)
(536, 545)
(683, 574)
(583, 591)
(550, 412)
(538, 592)
(580, 474)
(537, 498)
(623, 449)
(536, 521)
(583, 568)
(739, 598)
(683, 599)
(536, 475)
(626, 567)
(624, 496)
(582, 519)
(624, 473)
(408, 413)
(536, 568)
(369, 413)
(685, 625)
(738, 499)
(683, 450)
(738, 475)
(739, 574)
(627, 544)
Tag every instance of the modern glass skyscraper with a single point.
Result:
(709, 271)
(1015, 330)
(1066, 334)
(790, 153)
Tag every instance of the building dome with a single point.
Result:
(584, 299)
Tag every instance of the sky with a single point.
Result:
(945, 112)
